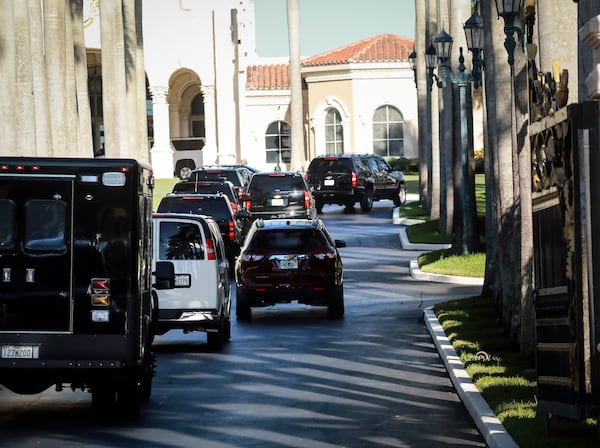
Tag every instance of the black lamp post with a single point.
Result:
(443, 41)
(509, 10)
(412, 60)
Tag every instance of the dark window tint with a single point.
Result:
(193, 187)
(180, 241)
(7, 225)
(332, 165)
(45, 226)
(196, 206)
(271, 183)
(288, 240)
(230, 175)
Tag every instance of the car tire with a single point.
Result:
(242, 306)
(216, 339)
(335, 309)
(366, 202)
(400, 196)
(319, 205)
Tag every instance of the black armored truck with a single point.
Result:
(75, 277)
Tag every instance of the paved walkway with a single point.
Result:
(490, 427)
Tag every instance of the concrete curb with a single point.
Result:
(407, 245)
(490, 427)
(417, 274)
(396, 219)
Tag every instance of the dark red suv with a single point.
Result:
(285, 260)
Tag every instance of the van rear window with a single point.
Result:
(180, 241)
(45, 226)
(7, 225)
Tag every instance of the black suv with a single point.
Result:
(218, 207)
(345, 179)
(238, 176)
(210, 187)
(279, 194)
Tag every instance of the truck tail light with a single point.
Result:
(100, 297)
(354, 180)
(210, 249)
(231, 230)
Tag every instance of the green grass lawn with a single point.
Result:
(162, 187)
(505, 379)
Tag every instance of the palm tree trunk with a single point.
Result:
(114, 84)
(55, 61)
(41, 116)
(8, 74)
(298, 151)
(85, 146)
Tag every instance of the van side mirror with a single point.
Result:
(164, 275)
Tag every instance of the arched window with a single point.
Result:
(278, 143)
(388, 132)
(334, 135)
(197, 117)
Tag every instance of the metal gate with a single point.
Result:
(563, 255)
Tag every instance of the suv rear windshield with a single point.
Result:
(288, 239)
(334, 165)
(270, 183)
(214, 207)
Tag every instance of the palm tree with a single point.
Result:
(298, 155)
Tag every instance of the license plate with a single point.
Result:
(20, 351)
(288, 264)
(328, 182)
(277, 202)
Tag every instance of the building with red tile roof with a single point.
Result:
(357, 98)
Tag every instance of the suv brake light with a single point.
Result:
(306, 199)
(210, 249)
(231, 230)
(354, 179)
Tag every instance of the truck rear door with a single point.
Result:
(35, 254)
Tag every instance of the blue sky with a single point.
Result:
(329, 24)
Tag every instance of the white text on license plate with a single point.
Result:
(277, 202)
(288, 264)
(20, 351)
(328, 182)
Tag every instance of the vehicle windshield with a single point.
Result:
(288, 240)
(197, 206)
(270, 183)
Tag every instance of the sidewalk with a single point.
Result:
(490, 427)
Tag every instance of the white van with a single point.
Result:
(191, 277)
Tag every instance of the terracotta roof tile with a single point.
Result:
(379, 48)
(268, 77)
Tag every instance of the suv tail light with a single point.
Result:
(210, 249)
(247, 201)
(231, 230)
(306, 199)
(354, 179)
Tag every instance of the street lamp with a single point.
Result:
(509, 10)
(443, 41)
(412, 60)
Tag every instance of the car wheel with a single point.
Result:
(319, 205)
(227, 332)
(242, 306)
(366, 202)
(184, 172)
(216, 339)
(400, 196)
(336, 304)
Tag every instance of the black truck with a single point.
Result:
(75, 278)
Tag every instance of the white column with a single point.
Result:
(161, 153)
(590, 34)
(209, 152)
